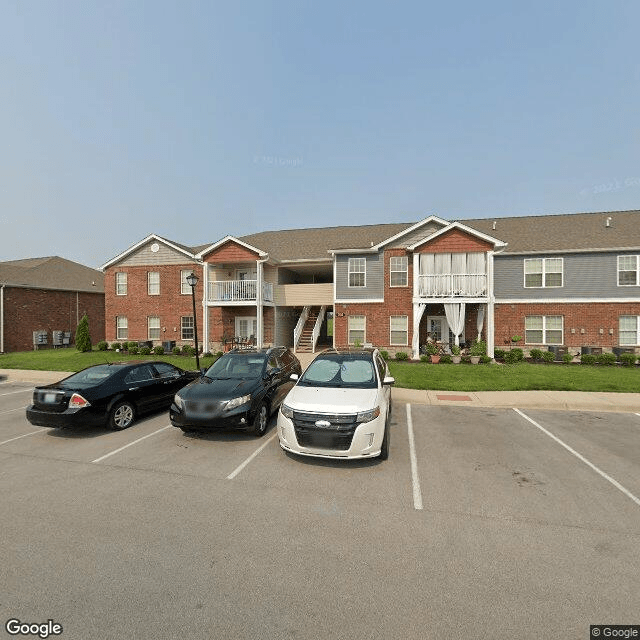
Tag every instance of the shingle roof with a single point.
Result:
(51, 272)
(565, 232)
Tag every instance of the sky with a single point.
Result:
(198, 120)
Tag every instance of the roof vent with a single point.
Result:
(494, 225)
(608, 222)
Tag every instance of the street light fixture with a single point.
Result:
(192, 281)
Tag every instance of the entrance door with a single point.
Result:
(438, 328)
(246, 327)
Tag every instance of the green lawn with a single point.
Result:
(72, 360)
(516, 377)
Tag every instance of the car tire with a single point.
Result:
(384, 449)
(261, 420)
(122, 416)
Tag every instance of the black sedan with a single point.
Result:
(107, 394)
(239, 391)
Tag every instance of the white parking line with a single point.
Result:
(415, 479)
(238, 469)
(101, 458)
(24, 435)
(614, 482)
(19, 391)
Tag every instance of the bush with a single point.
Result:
(445, 359)
(455, 349)
(188, 350)
(102, 345)
(116, 345)
(548, 356)
(478, 348)
(485, 359)
(219, 354)
(567, 358)
(206, 354)
(499, 354)
(133, 351)
(145, 351)
(588, 358)
(125, 345)
(628, 359)
(425, 358)
(159, 350)
(536, 354)
(83, 339)
(513, 356)
(402, 355)
(385, 355)
(176, 351)
(607, 359)
(519, 353)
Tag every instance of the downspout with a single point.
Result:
(2, 319)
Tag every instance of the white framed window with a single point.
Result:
(122, 328)
(121, 283)
(357, 329)
(399, 330)
(153, 283)
(398, 271)
(246, 326)
(628, 271)
(629, 331)
(153, 327)
(543, 272)
(543, 329)
(185, 287)
(186, 328)
(357, 272)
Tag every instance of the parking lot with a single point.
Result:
(483, 523)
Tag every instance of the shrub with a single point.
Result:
(219, 354)
(536, 354)
(588, 358)
(485, 359)
(402, 355)
(548, 356)
(83, 339)
(116, 345)
(102, 345)
(125, 345)
(478, 348)
(176, 351)
(385, 355)
(499, 354)
(511, 357)
(159, 350)
(628, 359)
(567, 358)
(188, 350)
(455, 349)
(425, 358)
(445, 359)
(133, 351)
(206, 354)
(145, 351)
(607, 359)
(519, 353)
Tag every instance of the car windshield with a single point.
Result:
(237, 366)
(344, 371)
(90, 377)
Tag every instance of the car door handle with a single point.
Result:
(133, 388)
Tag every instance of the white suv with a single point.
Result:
(339, 408)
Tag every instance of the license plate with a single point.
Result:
(50, 397)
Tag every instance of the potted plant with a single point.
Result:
(433, 352)
(456, 354)
(478, 349)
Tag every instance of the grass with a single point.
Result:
(522, 376)
(73, 360)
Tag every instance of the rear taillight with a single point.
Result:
(78, 402)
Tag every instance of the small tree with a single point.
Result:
(83, 339)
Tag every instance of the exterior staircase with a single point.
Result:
(305, 344)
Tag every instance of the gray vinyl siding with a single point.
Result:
(165, 255)
(416, 236)
(374, 289)
(585, 275)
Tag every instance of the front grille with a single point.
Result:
(202, 408)
(337, 435)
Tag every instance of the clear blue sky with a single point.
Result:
(194, 120)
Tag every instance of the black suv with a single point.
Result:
(239, 391)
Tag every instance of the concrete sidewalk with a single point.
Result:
(553, 400)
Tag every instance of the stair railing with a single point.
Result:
(297, 332)
(317, 327)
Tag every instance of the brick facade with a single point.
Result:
(231, 252)
(454, 241)
(29, 310)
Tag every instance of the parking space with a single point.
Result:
(512, 535)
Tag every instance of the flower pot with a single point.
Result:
(435, 359)
(474, 359)
(456, 359)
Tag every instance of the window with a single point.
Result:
(543, 330)
(629, 330)
(153, 324)
(356, 329)
(122, 328)
(121, 283)
(357, 272)
(153, 283)
(399, 329)
(543, 272)
(185, 287)
(186, 328)
(399, 271)
(628, 271)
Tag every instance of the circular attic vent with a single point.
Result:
(155, 247)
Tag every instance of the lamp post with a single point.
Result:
(193, 281)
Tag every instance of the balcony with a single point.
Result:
(462, 285)
(238, 291)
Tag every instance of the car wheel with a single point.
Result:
(261, 421)
(122, 416)
(384, 450)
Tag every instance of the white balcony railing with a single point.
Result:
(463, 285)
(238, 291)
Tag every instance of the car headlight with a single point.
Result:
(178, 401)
(236, 402)
(368, 416)
(287, 412)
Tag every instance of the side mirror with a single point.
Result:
(388, 380)
(203, 371)
(294, 376)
